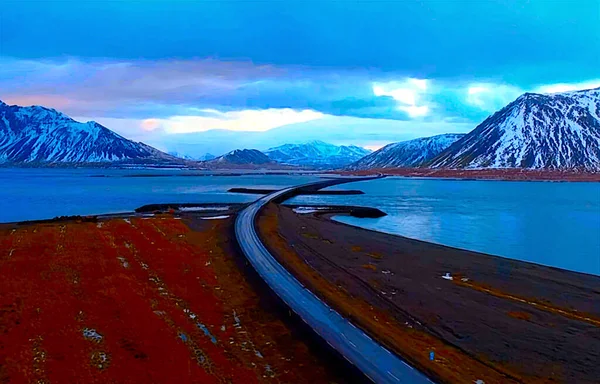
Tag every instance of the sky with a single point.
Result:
(211, 76)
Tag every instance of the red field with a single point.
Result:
(139, 300)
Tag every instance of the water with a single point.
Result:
(31, 194)
(556, 224)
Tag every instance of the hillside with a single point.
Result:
(406, 154)
(38, 135)
(316, 154)
(557, 131)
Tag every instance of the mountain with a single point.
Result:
(339, 128)
(204, 157)
(407, 154)
(207, 156)
(241, 157)
(180, 155)
(557, 131)
(244, 159)
(41, 135)
(316, 154)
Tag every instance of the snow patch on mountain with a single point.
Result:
(243, 156)
(406, 154)
(556, 131)
(43, 135)
(316, 154)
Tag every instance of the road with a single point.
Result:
(375, 361)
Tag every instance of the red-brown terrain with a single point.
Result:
(139, 300)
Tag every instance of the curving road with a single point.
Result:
(375, 361)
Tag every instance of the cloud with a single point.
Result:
(166, 88)
(150, 124)
(526, 43)
(562, 87)
(170, 87)
(491, 97)
(245, 120)
(407, 94)
(162, 101)
(340, 130)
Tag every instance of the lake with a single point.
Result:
(30, 194)
(555, 224)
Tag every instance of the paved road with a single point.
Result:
(376, 362)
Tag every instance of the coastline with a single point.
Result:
(494, 326)
(505, 174)
(331, 216)
(390, 286)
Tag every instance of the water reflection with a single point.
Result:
(554, 224)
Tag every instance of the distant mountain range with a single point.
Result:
(316, 154)
(243, 156)
(407, 154)
(558, 131)
(38, 135)
(204, 157)
(242, 159)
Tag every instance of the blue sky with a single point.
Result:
(166, 72)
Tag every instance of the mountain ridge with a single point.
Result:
(407, 154)
(243, 156)
(535, 131)
(40, 135)
(316, 154)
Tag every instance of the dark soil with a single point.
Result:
(531, 322)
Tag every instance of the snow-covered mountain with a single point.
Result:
(243, 156)
(42, 135)
(316, 154)
(558, 131)
(243, 159)
(205, 157)
(406, 154)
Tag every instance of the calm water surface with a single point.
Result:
(555, 224)
(30, 194)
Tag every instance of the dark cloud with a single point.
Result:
(523, 43)
(164, 88)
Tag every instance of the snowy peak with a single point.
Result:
(557, 131)
(42, 135)
(317, 154)
(406, 154)
(243, 156)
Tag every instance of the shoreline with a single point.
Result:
(331, 217)
(365, 272)
(484, 174)
(504, 174)
(352, 268)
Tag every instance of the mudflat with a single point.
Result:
(483, 317)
